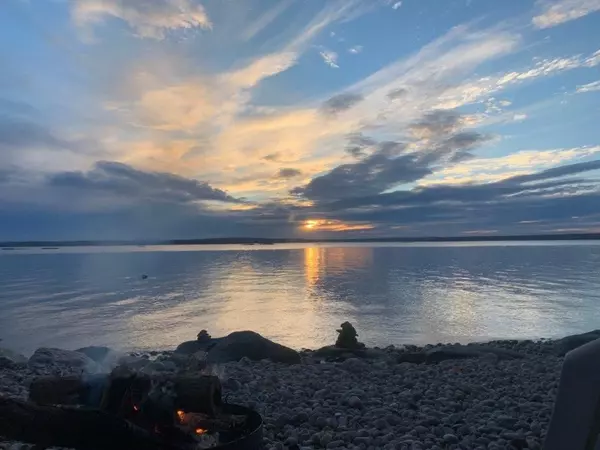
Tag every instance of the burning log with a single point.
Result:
(81, 428)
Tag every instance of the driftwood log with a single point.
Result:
(81, 428)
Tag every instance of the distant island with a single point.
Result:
(49, 245)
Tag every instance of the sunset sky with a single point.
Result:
(124, 119)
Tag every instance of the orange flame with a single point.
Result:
(200, 431)
(180, 415)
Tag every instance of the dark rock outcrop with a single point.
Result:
(191, 347)
(236, 346)
(566, 344)
(249, 344)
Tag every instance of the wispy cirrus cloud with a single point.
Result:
(148, 19)
(260, 23)
(556, 12)
(589, 87)
(330, 58)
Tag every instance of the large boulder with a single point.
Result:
(251, 345)
(58, 358)
(566, 344)
(9, 359)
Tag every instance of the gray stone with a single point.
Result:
(354, 402)
(58, 358)
(8, 358)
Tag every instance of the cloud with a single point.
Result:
(524, 162)
(467, 202)
(439, 136)
(148, 19)
(397, 5)
(288, 172)
(265, 19)
(341, 102)
(372, 175)
(330, 58)
(590, 87)
(479, 90)
(356, 49)
(117, 179)
(556, 12)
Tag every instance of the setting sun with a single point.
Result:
(334, 225)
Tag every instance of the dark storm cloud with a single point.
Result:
(340, 103)
(288, 172)
(121, 179)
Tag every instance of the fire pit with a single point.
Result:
(132, 411)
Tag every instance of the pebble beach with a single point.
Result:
(487, 402)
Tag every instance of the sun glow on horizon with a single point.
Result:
(334, 225)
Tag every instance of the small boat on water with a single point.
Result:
(49, 248)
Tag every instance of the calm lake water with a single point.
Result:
(297, 294)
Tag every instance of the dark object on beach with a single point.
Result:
(238, 345)
(189, 392)
(566, 344)
(130, 411)
(347, 337)
(203, 336)
(144, 276)
(249, 344)
(94, 429)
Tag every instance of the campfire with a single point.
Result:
(131, 410)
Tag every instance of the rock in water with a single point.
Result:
(8, 358)
(252, 345)
(347, 337)
(58, 358)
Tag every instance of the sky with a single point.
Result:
(179, 119)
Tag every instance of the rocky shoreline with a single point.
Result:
(496, 395)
